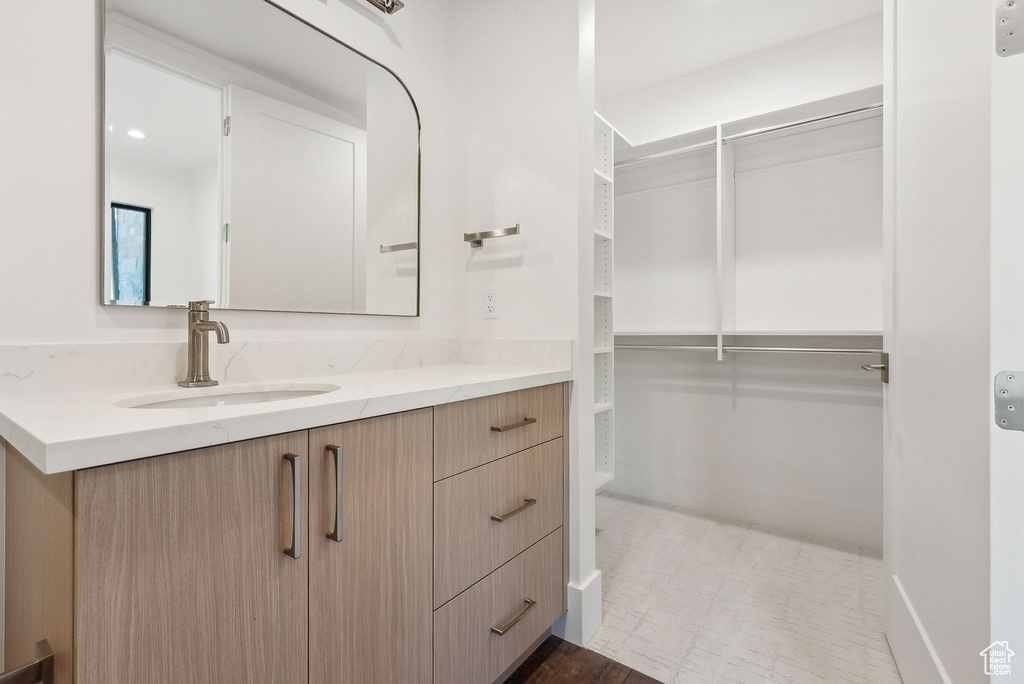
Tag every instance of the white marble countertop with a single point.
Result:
(75, 430)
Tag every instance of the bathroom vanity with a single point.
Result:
(424, 544)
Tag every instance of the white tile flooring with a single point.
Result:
(693, 598)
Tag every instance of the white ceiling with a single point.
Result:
(642, 42)
(180, 118)
(259, 37)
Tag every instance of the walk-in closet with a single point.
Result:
(739, 279)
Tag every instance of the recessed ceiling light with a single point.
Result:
(136, 134)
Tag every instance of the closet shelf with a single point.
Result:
(602, 294)
(603, 350)
(601, 479)
(749, 333)
(602, 177)
(666, 333)
(603, 234)
(803, 333)
(602, 407)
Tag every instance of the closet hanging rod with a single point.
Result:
(753, 133)
(732, 349)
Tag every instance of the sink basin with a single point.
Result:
(228, 396)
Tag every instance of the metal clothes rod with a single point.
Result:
(711, 144)
(732, 349)
(753, 133)
(802, 122)
(385, 249)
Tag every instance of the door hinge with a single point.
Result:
(227, 125)
(1009, 393)
(227, 232)
(1009, 28)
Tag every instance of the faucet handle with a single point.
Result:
(200, 305)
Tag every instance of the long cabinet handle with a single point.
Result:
(502, 630)
(336, 534)
(513, 426)
(295, 550)
(505, 516)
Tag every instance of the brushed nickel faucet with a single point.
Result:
(199, 323)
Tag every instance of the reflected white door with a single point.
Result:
(296, 205)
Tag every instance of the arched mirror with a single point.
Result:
(253, 160)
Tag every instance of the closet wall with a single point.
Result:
(771, 240)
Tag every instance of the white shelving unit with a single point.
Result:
(756, 228)
(606, 141)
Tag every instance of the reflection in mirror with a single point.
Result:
(254, 161)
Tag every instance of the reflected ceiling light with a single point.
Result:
(110, 128)
(136, 134)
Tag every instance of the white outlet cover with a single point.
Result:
(491, 309)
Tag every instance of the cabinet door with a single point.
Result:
(181, 572)
(370, 592)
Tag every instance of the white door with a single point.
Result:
(1007, 464)
(296, 206)
(953, 480)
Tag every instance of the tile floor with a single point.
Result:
(694, 598)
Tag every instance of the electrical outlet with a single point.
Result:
(491, 303)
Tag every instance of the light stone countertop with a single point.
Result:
(76, 430)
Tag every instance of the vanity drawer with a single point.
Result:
(524, 489)
(467, 650)
(470, 433)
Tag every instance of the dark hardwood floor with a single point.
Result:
(559, 662)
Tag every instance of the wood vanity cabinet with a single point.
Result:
(180, 573)
(369, 609)
(241, 563)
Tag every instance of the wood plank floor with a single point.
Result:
(559, 662)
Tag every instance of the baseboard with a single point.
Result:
(917, 659)
(582, 621)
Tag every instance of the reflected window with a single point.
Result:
(131, 230)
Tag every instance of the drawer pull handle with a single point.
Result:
(39, 670)
(336, 534)
(295, 550)
(513, 426)
(502, 630)
(506, 516)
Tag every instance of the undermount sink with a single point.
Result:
(228, 396)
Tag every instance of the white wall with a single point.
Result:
(937, 470)
(522, 105)
(171, 194)
(514, 159)
(50, 143)
(832, 62)
(206, 210)
(790, 442)
(390, 206)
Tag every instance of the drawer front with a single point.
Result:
(525, 490)
(466, 649)
(470, 433)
